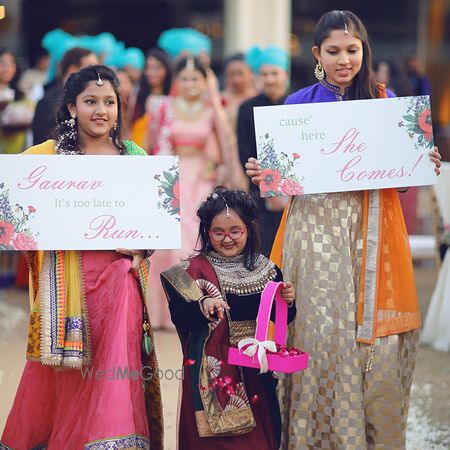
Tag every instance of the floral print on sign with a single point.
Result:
(278, 175)
(169, 191)
(15, 233)
(417, 121)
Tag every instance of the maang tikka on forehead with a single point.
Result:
(215, 196)
(227, 215)
(190, 64)
(345, 23)
(99, 81)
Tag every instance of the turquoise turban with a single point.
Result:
(115, 57)
(134, 57)
(177, 40)
(273, 55)
(121, 57)
(104, 43)
(57, 42)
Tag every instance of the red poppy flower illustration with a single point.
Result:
(31, 209)
(424, 121)
(270, 180)
(6, 232)
(295, 156)
(24, 242)
(291, 187)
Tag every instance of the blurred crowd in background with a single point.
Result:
(173, 103)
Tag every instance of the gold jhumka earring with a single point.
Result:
(319, 73)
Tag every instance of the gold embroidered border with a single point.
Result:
(183, 283)
(366, 331)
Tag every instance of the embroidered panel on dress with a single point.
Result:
(120, 443)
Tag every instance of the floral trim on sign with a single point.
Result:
(278, 174)
(14, 231)
(169, 191)
(417, 121)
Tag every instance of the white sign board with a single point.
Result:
(56, 202)
(344, 146)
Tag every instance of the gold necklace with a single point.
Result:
(188, 107)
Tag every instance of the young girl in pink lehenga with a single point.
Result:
(78, 389)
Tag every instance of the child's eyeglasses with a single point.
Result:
(219, 236)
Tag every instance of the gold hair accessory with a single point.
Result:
(345, 23)
(190, 64)
(99, 81)
(215, 196)
(227, 215)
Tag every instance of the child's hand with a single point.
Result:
(214, 307)
(288, 293)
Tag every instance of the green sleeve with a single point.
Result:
(134, 149)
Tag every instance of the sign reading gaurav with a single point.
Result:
(344, 146)
(56, 202)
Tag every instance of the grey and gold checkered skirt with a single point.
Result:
(335, 403)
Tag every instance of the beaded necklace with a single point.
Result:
(236, 279)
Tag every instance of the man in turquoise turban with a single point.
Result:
(271, 65)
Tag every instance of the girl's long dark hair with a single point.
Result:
(364, 84)
(144, 87)
(73, 87)
(245, 207)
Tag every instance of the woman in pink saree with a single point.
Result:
(84, 385)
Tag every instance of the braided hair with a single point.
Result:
(245, 207)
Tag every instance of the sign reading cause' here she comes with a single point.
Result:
(344, 146)
(56, 202)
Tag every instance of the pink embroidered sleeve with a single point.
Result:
(161, 116)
